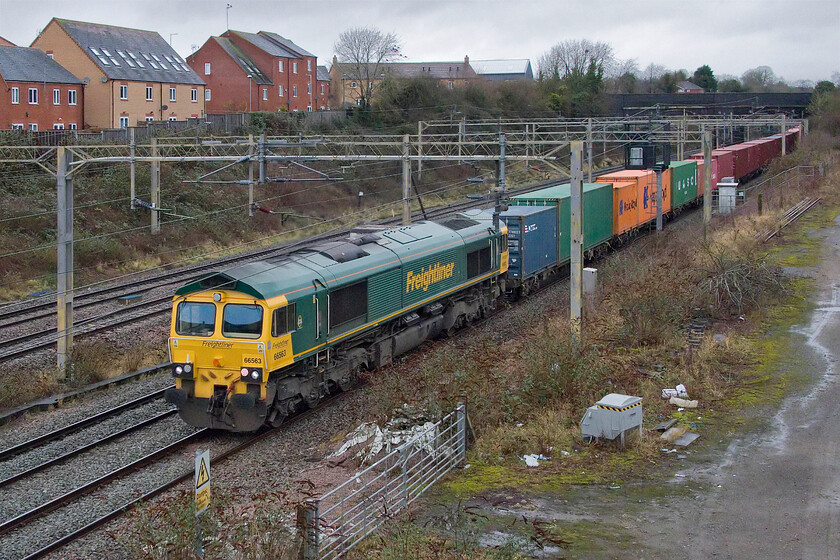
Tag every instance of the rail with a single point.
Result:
(340, 519)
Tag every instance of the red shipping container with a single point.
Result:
(726, 163)
(701, 173)
(741, 160)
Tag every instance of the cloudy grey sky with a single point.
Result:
(799, 39)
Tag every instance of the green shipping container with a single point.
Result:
(683, 183)
(597, 213)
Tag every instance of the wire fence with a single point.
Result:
(773, 191)
(340, 519)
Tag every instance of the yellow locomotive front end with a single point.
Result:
(217, 346)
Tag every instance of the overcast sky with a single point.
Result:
(798, 39)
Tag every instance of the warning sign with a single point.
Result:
(202, 481)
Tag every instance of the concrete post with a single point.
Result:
(307, 525)
(251, 175)
(784, 129)
(64, 268)
(658, 200)
(155, 189)
(707, 171)
(576, 230)
(132, 147)
(406, 183)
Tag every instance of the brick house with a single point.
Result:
(348, 90)
(323, 91)
(256, 72)
(38, 93)
(689, 87)
(131, 75)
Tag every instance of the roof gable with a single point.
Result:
(322, 74)
(123, 53)
(265, 44)
(21, 64)
(286, 43)
(243, 60)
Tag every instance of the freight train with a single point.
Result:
(256, 343)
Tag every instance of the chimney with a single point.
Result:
(466, 59)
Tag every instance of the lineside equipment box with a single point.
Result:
(611, 417)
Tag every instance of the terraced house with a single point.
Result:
(130, 75)
(38, 93)
(257, 72)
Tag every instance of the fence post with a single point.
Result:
(760, 205)
(461, 422)
(403, 458)
(307, 525)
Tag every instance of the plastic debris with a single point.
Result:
(565, 453)
(534, 459)
(683, 403)
(673, 434)
(686, 439)
(678, 391)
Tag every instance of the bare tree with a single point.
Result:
(761, 78)
(361, 53)
(652, 73)
(575, 57)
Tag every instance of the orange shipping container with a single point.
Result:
(646, 185)
(625, 206)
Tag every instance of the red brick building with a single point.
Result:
(257, 72)
(322, 89)
(38, 93)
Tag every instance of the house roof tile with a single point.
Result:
(21, 64)
(243, 60)
(123, 53)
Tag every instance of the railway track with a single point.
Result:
(14, 315)
(25, 525)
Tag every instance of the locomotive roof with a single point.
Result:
(334, 263)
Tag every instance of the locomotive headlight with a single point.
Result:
(187, 368)
(179, 370)
(244, 371)
(255, 375)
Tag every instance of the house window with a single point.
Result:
(17, 126)
(172, 94)
(294, 91)
(33, 96)
(148, 93)
(194, 95)
(322, 89)
(71, 96)
(294, 67)
(123, 92)
(265, 94)
(280, 91)
(56, 97)
(309, 89)
(58, 126)
(353, 84)
(72, 126)
(33, 127)
(206, 95)
(279, 65)
(123, 122)
(309, 108)
(309, 66)
(16, 97)
(206, 68)
(173, 118)
(451, 85)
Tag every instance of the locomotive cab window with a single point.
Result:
(348, 304)
(478, 262)
(195, 319)
(284, 320)
(242, 321)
